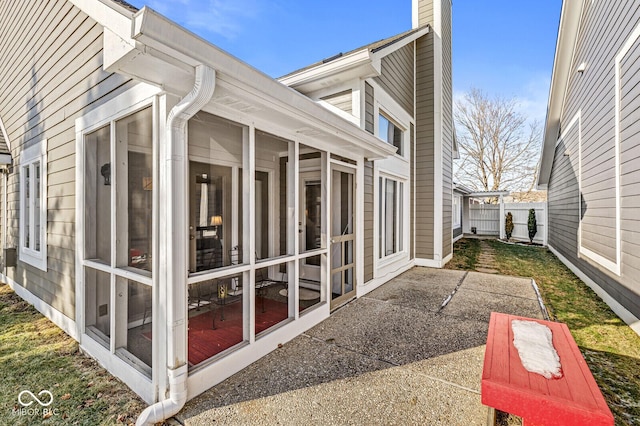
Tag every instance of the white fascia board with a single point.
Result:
(565, 48)
(163, 38)
(489, 193)
(360, 58)
(399, 44)
(108, 14)
(116, 21)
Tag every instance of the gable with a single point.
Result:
(397, 76)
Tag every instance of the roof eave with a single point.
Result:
(565, 47)
(174, 52)
(361, 63)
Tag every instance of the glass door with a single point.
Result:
(343, 238)
(309, 227)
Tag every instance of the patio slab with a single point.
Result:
(399, 334)
(390, 357)
(419, 288)
(500, 284)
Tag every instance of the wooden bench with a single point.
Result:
(573, 399)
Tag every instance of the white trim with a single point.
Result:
(203, 379)
(137, 98)
(58, 318)
(376, 282)
(119, 106)
(438, 157)
(431, 263)
(622, 312)
(459, 237)
(36, 153)
(614, 267)
(123, 370)
(5, 135)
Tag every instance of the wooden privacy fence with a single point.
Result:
(489, 219)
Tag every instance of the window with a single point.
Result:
(391, 217)
(33, 205)
(118, 186)
(390, 133)
(457, 212)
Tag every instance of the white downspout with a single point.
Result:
(173, 272)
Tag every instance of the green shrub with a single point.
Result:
(508, 225)
(532, 225)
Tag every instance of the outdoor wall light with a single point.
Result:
(105, 171)
(581, 68)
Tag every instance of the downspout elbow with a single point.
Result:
(162, 410)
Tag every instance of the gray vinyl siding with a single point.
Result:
(368, 108)
(457, 232)
(368, 221)
(563, 194)
(397, 76)
(342, 100)
(50, 73)
(424, 181)
(447, 131)
(604, 29)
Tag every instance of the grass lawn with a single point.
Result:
(610, 347)
(36, 355)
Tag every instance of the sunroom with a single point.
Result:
(219, 214)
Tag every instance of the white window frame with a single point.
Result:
(457, 211)
(402, 148)
(36, 153)
(116, 361)
(400, 222)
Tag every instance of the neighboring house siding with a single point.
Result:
(563, 196)
(447, 130)
(424, 198)
(397, 76)
(51, 72)
(604, 30)
(342, 100)
(368, 221)
(368, 109)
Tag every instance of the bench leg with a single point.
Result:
(491, 417)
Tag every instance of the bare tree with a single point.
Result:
(498, 148)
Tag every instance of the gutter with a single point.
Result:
(564, 56)
(156, 33)
(172, 274)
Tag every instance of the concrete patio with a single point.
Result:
(410, 352)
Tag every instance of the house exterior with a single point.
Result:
(181, 214)
(589, 159)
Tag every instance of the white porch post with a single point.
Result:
(502, 218)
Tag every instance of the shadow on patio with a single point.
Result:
(394, 356)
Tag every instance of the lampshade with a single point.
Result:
(216, 220)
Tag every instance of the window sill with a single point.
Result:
(391, 259)
(37, 261)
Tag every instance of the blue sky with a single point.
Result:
(503, 47)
